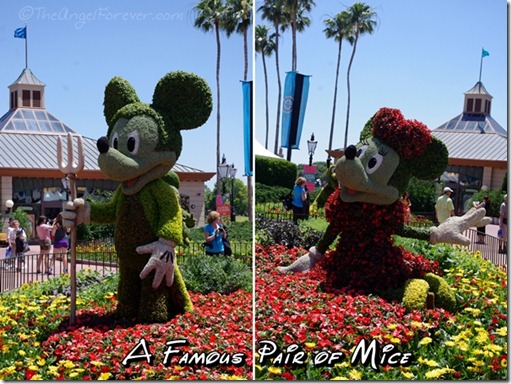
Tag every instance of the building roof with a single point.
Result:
(472, 123)
(478, 89)
(32, 120)
(474, 146)
(33, 151)
(27, 77)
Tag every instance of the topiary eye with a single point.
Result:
(115, 141)
(133, 142)
(361, 151)
(374, 163)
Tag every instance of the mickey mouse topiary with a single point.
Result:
(364, 211)
(143, 143)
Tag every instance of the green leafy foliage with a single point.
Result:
(422, 195)
(277, 172)
(238, 231)
(22, 216)
(270, 193)
(220, 274)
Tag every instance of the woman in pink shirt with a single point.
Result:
(43, 233)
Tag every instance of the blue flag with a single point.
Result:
(247, 126)
(485, 53)
(296, 91)
(21, 33)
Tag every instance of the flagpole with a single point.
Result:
(481, 68)
(26, 47)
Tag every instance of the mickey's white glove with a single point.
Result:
(75, 212)
(304, 263)
(162, 261)
(451, 230)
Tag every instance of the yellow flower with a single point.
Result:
(310, 345)
(436, 373)
(69, 364)
(73, 374)
(32, 367)
(104, 376)
(502, 331)
(392, 326)
(449, 344)
(36, 377)
(430, 363)
(340, 378)
(355, 375)
(21, 352)
(425, 341)
(275, 370)
(408, 375)
(503, 362)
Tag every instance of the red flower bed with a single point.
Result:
(295, 309)
(99, 343)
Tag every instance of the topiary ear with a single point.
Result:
(118, 93)
(184, 98)
(431, 163)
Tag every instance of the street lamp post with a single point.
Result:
(232, 174)
(223, 171)
(311, 145)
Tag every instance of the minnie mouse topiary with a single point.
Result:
(364, 211)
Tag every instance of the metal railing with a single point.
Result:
(99, 257)
(489, 250)
(16, 271)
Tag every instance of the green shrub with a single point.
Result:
(271, 193)
(238, 231)
(277, 172)
(206, 274)
(422, 195)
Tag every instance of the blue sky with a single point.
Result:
(76, 47)
(421, 59)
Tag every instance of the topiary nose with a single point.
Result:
(351, 152)
(102, 144)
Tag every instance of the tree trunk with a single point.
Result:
(266, 102)
(277, 125)
(349, 96)
(217, 34)
(335, 97)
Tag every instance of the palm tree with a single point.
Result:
(297, 19)
(209, 17)
(265, 45)
(238, 18)
(338, 28)
(273, 11)
(362, 17)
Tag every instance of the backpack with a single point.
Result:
(287, 201)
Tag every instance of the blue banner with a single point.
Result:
(247, 126)
(296, 91)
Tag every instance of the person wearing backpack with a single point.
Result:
(214, 233)
(299, 199)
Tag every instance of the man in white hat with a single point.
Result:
(444, 207)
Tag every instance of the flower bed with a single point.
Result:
(37, 342)
(292, 310)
